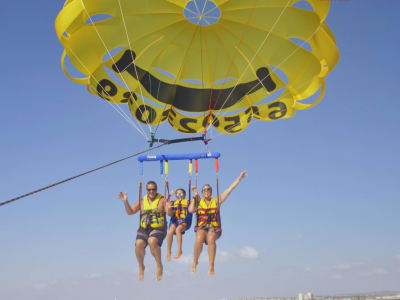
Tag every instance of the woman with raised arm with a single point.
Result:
(208, 225)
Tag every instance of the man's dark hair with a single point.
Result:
(151, 182)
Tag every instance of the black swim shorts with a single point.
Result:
(158, 233)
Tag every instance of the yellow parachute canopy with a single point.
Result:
(201, 62)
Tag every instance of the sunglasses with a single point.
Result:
(179, 194)
(151, 190)
(206, 190)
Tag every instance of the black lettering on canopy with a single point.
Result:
(234, 122)
(192, 99)
(141, 111)
(106, 89)
(280, 112)
(184, 122)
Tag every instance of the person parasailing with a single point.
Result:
(152, 226)
(208, 226)
(180, 221)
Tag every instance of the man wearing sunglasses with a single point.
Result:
(152, 226)
(208, 226)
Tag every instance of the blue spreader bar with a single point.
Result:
(189, 156)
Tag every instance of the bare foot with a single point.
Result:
(194, 267)
(211, 271)
(169, 256)
(178, 254)
(159, 272)
(141, 273)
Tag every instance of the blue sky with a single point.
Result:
(318, 211)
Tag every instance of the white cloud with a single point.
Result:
(308, 269)
(223, 256)
(376, 272)
(248, 252)
(94, 275)
(40, 286)
(342, 267)
(337, 276)
(397, 257)
(185, 260)
(380, 271)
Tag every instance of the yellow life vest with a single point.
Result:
(207, 215)
(151, 215)
(180, 208)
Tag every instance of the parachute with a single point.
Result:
(201, 63)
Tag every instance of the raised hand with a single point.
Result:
(123, 196)
(243, 175)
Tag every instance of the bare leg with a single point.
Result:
(212, 249)
(198, 247)
(178, 232)
(156, 252)
(140, 251)
(169, 241)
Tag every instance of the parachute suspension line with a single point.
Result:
(256, 53)
(228, 70)
(76, 176)
(153, 134)
(208, 124)
(291, 54)
(109, 54)
(218, 195)
(116, 107)
(281, 63)
(134, 65)
(176, 77)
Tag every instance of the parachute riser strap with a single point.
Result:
(140, 199)
(141, 171)
(166, 171)
(218, 195)
(218, 204)
(190, 179)
(196, 169)
(166, 190)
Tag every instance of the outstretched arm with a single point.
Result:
(194, 202)
(234, 184)
(130, 210)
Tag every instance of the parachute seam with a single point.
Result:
(176, 78)
(230, 67)
(180, 69)
(258, 50)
